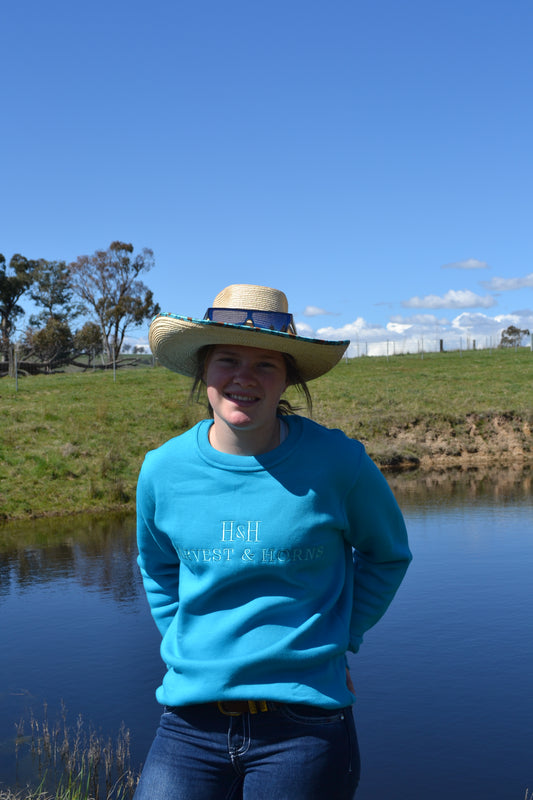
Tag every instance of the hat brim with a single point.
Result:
(175, 341)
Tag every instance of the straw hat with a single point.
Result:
(175, 340)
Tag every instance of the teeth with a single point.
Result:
(243, 397)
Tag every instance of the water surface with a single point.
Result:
(444, 682)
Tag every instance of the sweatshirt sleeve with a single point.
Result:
(158, 560)
(377, 533)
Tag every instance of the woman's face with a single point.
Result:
(244, 386)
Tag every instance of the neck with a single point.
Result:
(246, 442)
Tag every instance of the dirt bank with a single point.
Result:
(475, 440)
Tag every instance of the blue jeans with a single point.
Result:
(293, 752)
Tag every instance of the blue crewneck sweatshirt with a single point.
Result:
(262, 571)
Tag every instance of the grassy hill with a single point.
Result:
(75, 442)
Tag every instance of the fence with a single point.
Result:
(414, 346)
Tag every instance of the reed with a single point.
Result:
(72, 762)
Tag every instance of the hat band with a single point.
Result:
(267, 320)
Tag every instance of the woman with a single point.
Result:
(268, 545)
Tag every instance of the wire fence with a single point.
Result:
(418, 346)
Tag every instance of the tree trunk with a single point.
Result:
(11, 360)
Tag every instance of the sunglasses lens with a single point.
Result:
(269, 320)
(233, 316)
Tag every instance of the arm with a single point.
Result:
(158, 560)
(381, 553)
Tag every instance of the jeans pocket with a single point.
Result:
(313, 715)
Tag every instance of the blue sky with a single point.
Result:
(371, 158)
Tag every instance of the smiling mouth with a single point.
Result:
(240, 398)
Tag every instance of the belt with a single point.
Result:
(230, 708)
(234, 708)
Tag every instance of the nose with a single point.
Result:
(244, 374)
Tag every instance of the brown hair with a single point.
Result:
(294, 378)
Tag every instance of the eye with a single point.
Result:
(268, 365)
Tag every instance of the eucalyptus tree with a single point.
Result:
(108, 284)
(15, 281)
(51, 344)
(52, 292)
(88, 341)
(512, 336)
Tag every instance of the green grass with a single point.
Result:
(75, 442)
(443, 405)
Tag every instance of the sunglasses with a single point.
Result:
(269, 320)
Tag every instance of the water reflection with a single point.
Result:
(97, 552)
(454, 486)
(78, 629)
(442, 676)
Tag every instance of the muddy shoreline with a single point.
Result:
(476, 441)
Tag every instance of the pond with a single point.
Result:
(444, 682)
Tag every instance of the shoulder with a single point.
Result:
(329, 449)
(333, 439)
(174, 450)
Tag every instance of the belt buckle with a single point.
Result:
(221, 704)
(254, 707)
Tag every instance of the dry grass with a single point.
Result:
(71, 762)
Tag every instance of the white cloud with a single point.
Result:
(487, 329)
(455, 298)
(508, 284)
(419, 332)
(469, 263)
(357, 329)
(521, 319)
(304, 329)
(398, 327)
(423, 332)
(137, 341)
(476, 324)
(314, 311)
